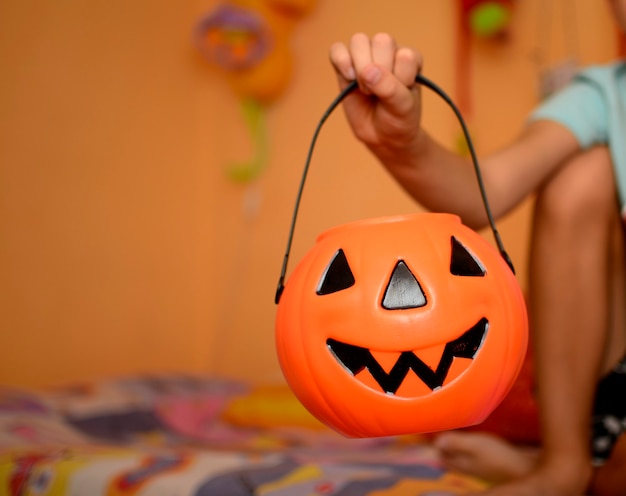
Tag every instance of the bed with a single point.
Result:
(195, 436)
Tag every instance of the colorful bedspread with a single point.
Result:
(190, 436)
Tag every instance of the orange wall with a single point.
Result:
(123, 246)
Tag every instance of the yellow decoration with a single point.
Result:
(270, 407)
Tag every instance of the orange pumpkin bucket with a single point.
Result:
(398, 325)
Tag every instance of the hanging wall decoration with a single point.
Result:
(248, 42)
(487, 18)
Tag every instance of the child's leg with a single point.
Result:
(574, 222)
(573, 228)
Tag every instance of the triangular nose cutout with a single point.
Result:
(403, 291)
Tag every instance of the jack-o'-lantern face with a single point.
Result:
(401, 325)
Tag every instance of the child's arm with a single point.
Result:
(386, 116)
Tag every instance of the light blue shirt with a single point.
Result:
(593, 108)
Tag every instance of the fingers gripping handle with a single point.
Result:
(419, 79)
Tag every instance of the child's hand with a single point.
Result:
(385, 113)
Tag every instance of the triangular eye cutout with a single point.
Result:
(337, 276)
(463, 263)
(403, 291)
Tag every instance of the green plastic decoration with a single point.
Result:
(254, 117)
(489, 19)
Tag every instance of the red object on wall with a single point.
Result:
(621, 43)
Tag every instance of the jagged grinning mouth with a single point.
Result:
(356, 359)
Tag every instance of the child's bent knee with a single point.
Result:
(582, 191)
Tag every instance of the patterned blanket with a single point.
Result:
(198, 436)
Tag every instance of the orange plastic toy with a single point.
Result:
(408, 324)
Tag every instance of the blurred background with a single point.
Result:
(125, 244)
